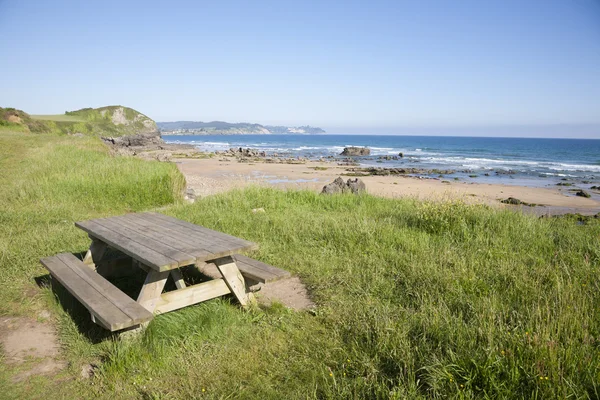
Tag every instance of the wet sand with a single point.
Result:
(211, 176)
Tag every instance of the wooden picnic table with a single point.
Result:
(161, 246)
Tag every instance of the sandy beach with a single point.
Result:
(211, 176)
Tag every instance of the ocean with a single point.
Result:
(516, 161)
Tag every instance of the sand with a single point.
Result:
(211, 176)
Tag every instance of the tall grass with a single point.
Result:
(415, 299)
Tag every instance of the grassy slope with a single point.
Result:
(58, 117)
(415, 299)
(89, 121)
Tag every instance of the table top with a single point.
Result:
(162, 242)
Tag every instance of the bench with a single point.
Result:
(258, 271)
(109, 306)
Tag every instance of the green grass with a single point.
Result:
(59, 118)
(415, 300)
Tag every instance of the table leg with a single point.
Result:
(152, 289)
(178, 278)
(95, 253)
(234, 280)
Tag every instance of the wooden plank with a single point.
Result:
(211, 243)
(95, 253)
(191, 295)
(209, 234)
(157, 245)
(153, 287)
(123, 302)
(201, 229)
(133, 249)
(257, 269)
(255, 274)
(168, 236)
(105, 313)
(178, 278)
(234, 280)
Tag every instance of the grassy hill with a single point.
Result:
(103, 121)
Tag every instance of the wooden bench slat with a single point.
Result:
(126, 304)
(133, 249)
(209, 234)
(191, 238)
(208, 240)
(216, 240)
(159, 245)
(171, 237)
(259, 271)
(102, 308)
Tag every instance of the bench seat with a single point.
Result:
(109, 306)
(259, 271)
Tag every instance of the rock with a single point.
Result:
(163, 157)
(505, 172)
(401, 155)
(355, 151)
(354, 186)
(583, 193)
(512, 200)
(337, 186)
(190, 195)
(595, 188)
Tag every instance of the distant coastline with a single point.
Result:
(228, 128)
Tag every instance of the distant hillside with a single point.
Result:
(103, 121)
(227, 128)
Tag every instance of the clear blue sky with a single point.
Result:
(522, 67)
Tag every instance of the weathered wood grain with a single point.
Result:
(109, 307)
(259, 271)
(191, 295)
(95, 253)
(153, 287)
(160, 245)
(234, 280)
(133, 249)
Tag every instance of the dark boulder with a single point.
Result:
(583, 193)
(355, 151)
(512, 200)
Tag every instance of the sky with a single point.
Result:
(493, 67)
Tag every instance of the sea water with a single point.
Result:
(519, 161)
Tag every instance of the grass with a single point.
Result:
(58, 118)
(415, 299)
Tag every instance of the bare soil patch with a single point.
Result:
(28, 341)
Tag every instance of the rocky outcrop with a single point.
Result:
(355, 151)
(141, 140)
(354, 186)
(241, 152)
(583, 193)
(516, 202)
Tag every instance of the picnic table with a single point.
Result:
(161, 246)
